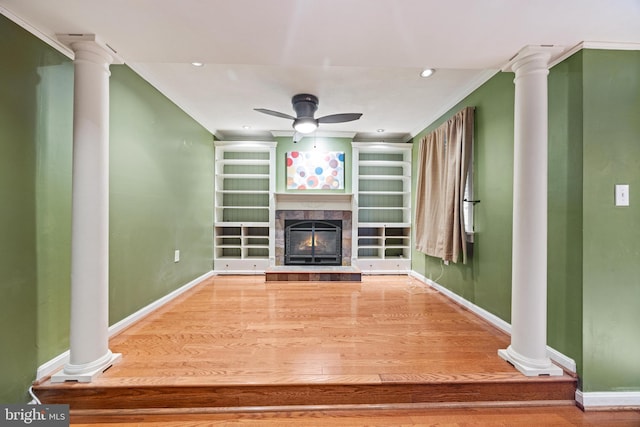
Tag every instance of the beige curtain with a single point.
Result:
(443, 163)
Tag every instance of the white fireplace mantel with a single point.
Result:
(314, 201)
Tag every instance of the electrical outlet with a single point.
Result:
(176, 256)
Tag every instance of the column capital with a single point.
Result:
(92, 45)
(538, 56)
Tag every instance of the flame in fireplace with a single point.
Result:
(306, 244)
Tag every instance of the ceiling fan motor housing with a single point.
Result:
(304, 104)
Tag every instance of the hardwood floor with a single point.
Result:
(239, 349)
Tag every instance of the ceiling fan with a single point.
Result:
(305, 105)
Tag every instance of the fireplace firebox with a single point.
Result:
(313, 242)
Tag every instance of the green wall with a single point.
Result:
(161, 197)
(564, 263)
(594, 247)
(611, 236)
(19, 92)
(486, 279)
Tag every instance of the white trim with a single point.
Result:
(566, 54)
(313, 201)
(593, 45)
(133, 318)
(49, 367)
(320, 133)
(459, 96)
(84, 373)
(566, 362)
(611, 45)
(489, 317)
(608, 399)
(48, 39)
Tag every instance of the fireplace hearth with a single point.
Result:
(313, 242)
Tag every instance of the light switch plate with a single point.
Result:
(176, 256)
(622, 194)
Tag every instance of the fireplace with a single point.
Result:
(313, 242)
(284, 216)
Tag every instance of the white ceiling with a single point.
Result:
(355, 55)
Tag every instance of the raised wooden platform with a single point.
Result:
(447, 392)
(319, 273)
(241, 343)
(442, 391)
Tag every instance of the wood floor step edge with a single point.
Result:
(299, 396)
(95, 414)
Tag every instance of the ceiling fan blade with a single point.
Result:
(297, 137)
(274, 113)
(340, 118)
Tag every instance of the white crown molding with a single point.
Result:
(566, 54)
(594, 45)
(564, 361)
(608, 399)
(316, 134)
(610, 45)
(465, 91)
(51, 366)
(49, 39)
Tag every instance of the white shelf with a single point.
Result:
(242, 176)
(243, 191)
(243, 162)
(382, 228)
(244, 207)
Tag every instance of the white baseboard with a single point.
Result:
(48, 368)
(51, 366)
(566, 362)
(608, 399)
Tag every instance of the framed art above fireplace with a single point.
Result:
(315, 170)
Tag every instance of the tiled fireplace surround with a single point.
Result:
(313, 206)
(345, 216)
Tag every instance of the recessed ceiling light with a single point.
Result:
(197, 64)
(380, 130)
(246, 127)
(427, 72)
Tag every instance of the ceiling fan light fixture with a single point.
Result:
(305, 125)
(304, 122)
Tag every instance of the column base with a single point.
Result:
(85, 373)
(530, 367)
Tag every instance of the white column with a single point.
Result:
(89, 334)
(528, 349)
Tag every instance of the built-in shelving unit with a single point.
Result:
(382, 207)
(244, 206)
